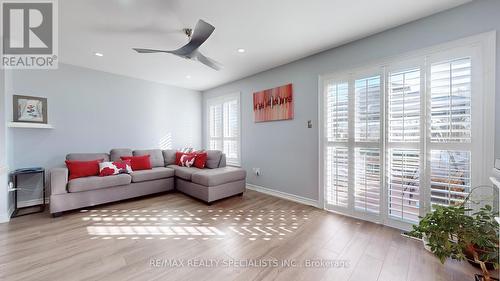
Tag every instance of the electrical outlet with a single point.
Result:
(256, 171)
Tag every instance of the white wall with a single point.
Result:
(286, 151)
(94, 111)
(3, 158)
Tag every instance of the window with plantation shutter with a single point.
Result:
(403, 116)
(337, 110)
(353, 152)
(367, 120)
(366, 145)
(450, 177)
(215, 128)
(367, 180)
(224, 126)
(403, 175)
(451, 127)
(451, 101)
(337, 176)
(337, 152)
(403, 136)
(403, 182)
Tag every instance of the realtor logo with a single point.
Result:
(29, 32)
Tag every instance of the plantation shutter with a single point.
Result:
(367, 180)
(366, 146)
(404, 113)
(450, 177)
(337, 112)
(451, 101)
(404, 184)
(337, 152)
(451, 124)
(367, 108)
(215, 128)
(337, 176)
(231, 131)
(224, 126)
(400, 138)
(404, 143)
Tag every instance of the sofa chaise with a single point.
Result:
(216, 181)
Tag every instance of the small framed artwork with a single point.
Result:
(30, 109)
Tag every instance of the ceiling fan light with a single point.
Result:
(240, 50)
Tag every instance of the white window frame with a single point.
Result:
(221, 100)
(483, 48)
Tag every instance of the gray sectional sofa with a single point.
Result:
(216, 181)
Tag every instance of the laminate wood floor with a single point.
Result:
(174, 237)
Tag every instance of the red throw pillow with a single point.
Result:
(187, 159)
(178, 156)
(201, 159)
(139, 162)
(193, 159)
(80, 169)
(114, 168)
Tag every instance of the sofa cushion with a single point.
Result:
(184, 172)
(116, 153)
(222, 161)
(155, 154)
(91, 183)
(153, 174)
(87, 156)
(213, 159)
(213, 177)
(169, 156)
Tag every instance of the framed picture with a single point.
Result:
(273, 104)
(30, 109)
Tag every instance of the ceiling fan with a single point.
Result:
(190, 51)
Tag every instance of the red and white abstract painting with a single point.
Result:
(273, 104)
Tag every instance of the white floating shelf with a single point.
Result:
(29, 125)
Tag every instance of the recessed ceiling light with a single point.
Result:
(188, 76)
(241, 50)
(99, 54)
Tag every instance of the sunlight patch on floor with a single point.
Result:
(211, 224)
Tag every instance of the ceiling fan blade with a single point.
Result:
(201, 32)
(149, 51)
(208, 61)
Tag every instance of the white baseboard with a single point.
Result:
(4, 218)
(283, 195)
(21, 204)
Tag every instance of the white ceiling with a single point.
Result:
(273, 32)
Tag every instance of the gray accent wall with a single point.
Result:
(286, 151)
(94, 111)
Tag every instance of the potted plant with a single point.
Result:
(452, 233)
